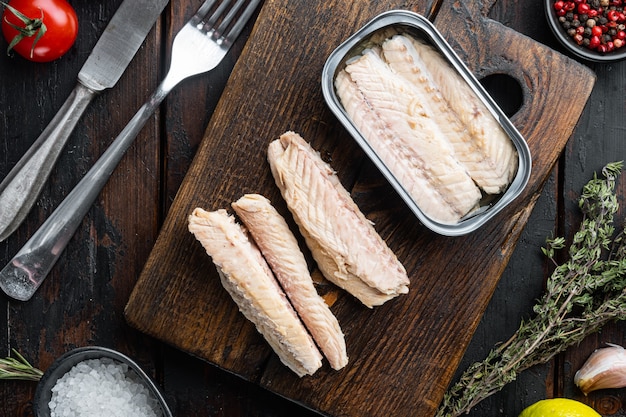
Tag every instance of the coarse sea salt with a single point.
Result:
(102, 388)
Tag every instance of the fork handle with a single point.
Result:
(21, 277)
(21, 187)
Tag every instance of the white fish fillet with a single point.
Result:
(479, 155)
(281, 251)
(488, 136)
(244, 273)
(345, 245)
(391, 115)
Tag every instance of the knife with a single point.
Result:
(105, 65)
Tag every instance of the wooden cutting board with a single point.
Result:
(404, 353)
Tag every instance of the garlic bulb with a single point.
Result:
(605, 368)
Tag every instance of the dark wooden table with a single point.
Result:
(82, 301)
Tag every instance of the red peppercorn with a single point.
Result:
(583, 8)
(598, 25)
(594, 42)
(596, 31)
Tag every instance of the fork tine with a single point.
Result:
(222, 33)
(229, 17)
(217, 13)
(197, 18)
(241, 22)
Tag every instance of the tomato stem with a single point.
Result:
(31, 27)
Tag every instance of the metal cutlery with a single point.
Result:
(197, 48)
(117, 46)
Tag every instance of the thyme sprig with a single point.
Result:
(18, 368)
(582, 294)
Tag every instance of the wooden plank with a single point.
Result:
(81, 302)
(599, 129)
(404, 369)
(522, 281)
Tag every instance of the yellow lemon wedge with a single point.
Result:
(559, 407)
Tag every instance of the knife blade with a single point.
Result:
(115, 49)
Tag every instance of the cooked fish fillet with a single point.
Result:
(393, 119)
(407, 166)
(244, 273)
(345, 245)
(488, 136)
(281, 251)
(479, 155)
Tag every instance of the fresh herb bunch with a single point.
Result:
(18, 368)
(582, 294)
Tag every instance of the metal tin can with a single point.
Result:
(419, 27)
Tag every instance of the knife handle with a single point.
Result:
(21, 277)
(21, 187)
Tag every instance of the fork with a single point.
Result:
(198, 47)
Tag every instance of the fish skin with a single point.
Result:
(345, 245)
(487, 133)
(281, 251)
(245, 275)
(399, 127)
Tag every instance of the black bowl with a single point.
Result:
(63, 364)
(571, 45)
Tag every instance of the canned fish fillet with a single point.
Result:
(426, 122)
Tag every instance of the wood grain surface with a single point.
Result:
(403, 354)
(72, 299)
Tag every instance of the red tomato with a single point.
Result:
(41, 30)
